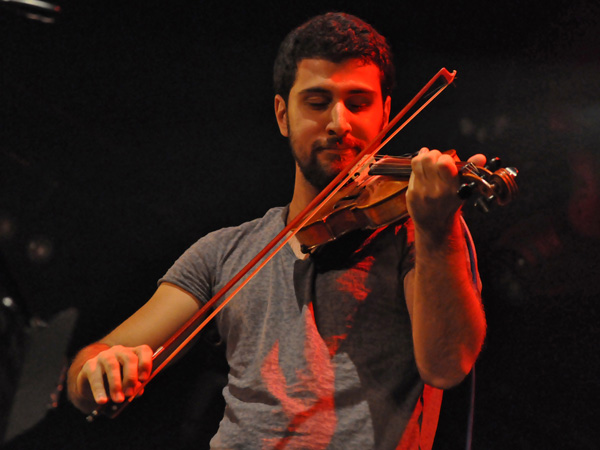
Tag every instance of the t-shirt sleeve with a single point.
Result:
(195, 270)
(217, 257)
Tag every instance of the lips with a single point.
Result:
(340, 149)
(338, 145)
(339, 154)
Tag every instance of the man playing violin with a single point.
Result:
(352, 345)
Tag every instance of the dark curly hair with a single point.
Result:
(335, 37)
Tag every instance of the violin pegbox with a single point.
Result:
(491, 184)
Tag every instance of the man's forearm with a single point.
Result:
(447, 315)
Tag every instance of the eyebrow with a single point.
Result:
(319, 90)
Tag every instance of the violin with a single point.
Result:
(376, 200)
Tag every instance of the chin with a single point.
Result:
(338, 162)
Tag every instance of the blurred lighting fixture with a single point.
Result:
(40, 250)
(33, 9)
(8, 227)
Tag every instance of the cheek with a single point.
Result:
(379, 123)
(304, 128)
(369, 127)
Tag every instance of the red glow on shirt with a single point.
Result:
(307, 400)
(373, 235)
(333, 343)
(353, 280)
(410, 230)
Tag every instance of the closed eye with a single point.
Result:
(358, 103)
(317, 102)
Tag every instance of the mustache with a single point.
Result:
(338, 143)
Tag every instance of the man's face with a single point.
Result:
(333, 111)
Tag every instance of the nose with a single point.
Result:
(339, 123)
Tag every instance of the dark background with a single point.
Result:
(130, 129)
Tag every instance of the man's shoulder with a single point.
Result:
(252, 233)
(272, 219)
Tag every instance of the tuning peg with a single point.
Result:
(484, 204)
(493, 164)
(466, 190)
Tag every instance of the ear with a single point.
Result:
(281, 115)
(387, 107)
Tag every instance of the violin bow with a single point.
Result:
(182, 337)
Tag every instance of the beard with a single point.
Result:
(314, 172)
(327, 158)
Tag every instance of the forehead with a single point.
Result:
(346, 76)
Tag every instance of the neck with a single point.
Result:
(304, 193)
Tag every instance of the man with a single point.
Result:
(346, 348)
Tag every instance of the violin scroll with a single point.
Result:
(492, 184)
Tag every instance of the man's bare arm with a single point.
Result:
(445, 306)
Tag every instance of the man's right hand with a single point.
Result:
(115, 366)
(107, 372)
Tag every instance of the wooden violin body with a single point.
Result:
(378, 201)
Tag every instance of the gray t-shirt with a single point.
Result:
(320, 350)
